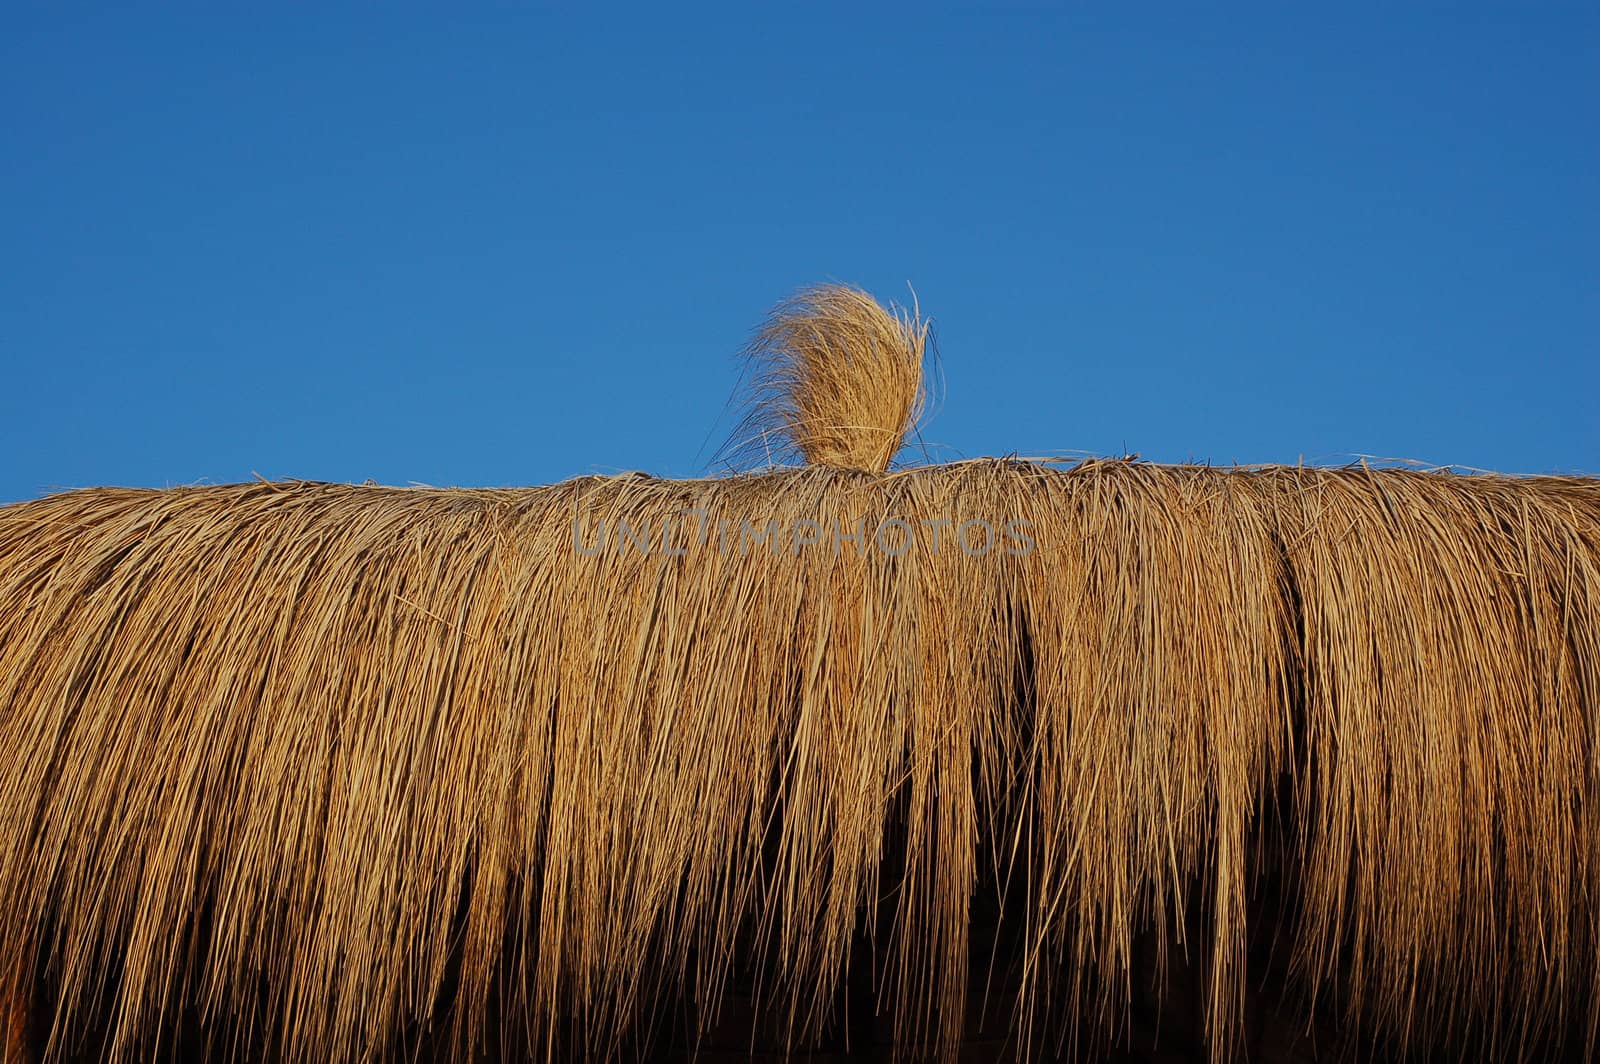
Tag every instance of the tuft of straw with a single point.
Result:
(834, 378)
(311, 772)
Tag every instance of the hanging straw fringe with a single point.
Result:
(331, 773)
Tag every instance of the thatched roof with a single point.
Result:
(324, 772)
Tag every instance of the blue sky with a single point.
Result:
(510, 246)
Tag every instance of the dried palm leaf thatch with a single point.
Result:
(311, 772)
(334, 773)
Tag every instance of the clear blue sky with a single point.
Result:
(508, 247)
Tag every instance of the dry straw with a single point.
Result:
(831, 378)
(317, 772)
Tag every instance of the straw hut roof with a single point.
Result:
(987, 758)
